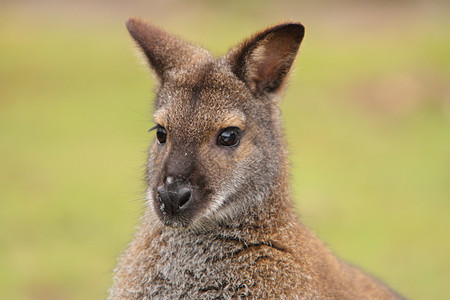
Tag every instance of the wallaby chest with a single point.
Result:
(211, 266)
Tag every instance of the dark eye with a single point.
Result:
(161, 134)
(229, 137)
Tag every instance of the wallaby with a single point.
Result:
(219, 222)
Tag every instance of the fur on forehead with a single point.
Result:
(223, 119)
(211, 84)
(206, 101)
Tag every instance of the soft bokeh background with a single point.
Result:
(367, 119)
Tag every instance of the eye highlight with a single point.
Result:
(229, 137)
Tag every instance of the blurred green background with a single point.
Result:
(366, 114)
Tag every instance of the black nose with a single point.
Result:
(174, 197)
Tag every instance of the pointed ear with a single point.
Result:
(164, 51)
(264, 60)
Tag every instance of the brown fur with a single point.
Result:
(238, 236)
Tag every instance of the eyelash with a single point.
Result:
(154, 127)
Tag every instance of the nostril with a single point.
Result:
(161, 194)
(184, 197)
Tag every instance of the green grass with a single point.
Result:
(371, 177)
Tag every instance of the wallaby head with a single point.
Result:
(219, 147)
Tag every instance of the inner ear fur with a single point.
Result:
(264, 60)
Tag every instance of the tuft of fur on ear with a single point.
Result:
(264, 60)
(164, 51)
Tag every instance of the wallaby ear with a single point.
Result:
(264, 60)
(164, 51)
